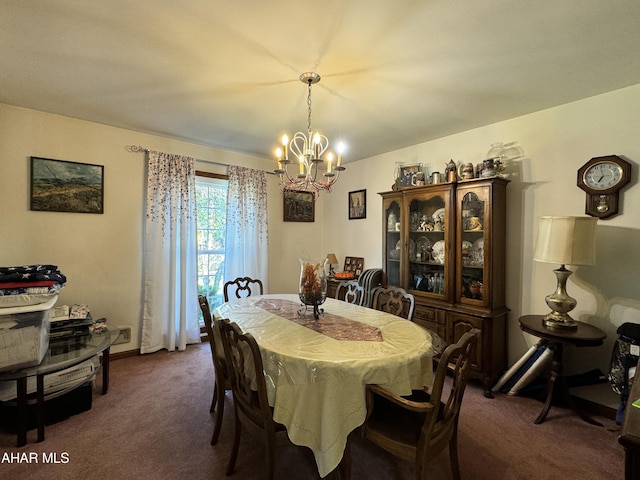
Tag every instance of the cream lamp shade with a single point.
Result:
(566, 240)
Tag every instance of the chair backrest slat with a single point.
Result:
(247, 373)
(242, 287)
(350, 291)
(215, 340)
(394, 300)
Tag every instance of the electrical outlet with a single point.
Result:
(124, 337)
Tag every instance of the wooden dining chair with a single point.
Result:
(394, 300)
(222, 382)
(251, 406)
(419, 427)
(350, 291)
(242, 287)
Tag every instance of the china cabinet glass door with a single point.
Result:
(427, 252)
(392, 238)
(472, 281)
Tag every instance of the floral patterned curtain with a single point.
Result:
(170, 316)
(246, 244)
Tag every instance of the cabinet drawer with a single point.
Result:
(429, 314)
(431, 318)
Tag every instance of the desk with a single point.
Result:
(97, 343)
(316, 379)
(585, 335)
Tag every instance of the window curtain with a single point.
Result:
(170, 315)
(246, 244)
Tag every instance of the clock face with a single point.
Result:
(602, 175)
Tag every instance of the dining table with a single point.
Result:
(317, 370)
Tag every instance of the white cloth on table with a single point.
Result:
(316, 384)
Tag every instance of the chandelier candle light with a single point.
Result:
(308, 149)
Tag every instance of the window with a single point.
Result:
(211, 199)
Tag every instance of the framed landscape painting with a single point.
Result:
(62, 186)
(299, 206)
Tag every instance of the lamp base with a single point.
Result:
(559, 320)
(560, 303)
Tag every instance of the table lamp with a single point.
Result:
(332, 260)
(564, 241)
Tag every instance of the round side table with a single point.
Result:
(585, 335)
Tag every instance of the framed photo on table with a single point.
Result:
(63, 186)
(357, 204)
(354, 265)
(299, 206)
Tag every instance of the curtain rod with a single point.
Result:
(139, 149)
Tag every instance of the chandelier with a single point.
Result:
(308, 149)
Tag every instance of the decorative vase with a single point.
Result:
(312, 286)
(498, 154)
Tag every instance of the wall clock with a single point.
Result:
(602, 178)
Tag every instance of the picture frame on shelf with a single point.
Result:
(357, 204)
(64, 186)
(354, 265)
(298, 206)
(406, 173)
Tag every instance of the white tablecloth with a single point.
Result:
(316, 383)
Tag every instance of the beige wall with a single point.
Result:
(101, 254)
(556, 142)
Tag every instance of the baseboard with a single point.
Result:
(594, 408)
(125, 354)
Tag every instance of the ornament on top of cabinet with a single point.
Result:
(602, 178)
(451, 171)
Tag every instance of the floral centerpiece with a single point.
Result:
(313, 285)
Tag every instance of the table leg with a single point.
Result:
(105, 370)
(556, 372)
(21, 414)
(558, 384)
(40, 406)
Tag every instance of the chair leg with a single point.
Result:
(217, 424)
(215, 397)
(453, 455)
(270, 456)
(236, 446)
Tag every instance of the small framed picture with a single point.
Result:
(357, 204)
(62, 186)
(354, 265)
(299, 206)
(406, 174)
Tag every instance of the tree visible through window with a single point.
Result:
(211, 195)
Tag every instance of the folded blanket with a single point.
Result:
(29, 288)
(31, 273)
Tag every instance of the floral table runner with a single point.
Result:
(334, 326)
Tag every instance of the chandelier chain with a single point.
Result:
(309, 109)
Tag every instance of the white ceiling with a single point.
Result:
(394, 73)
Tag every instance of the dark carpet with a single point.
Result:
(154, 423)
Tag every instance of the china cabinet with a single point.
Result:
(445, 244)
